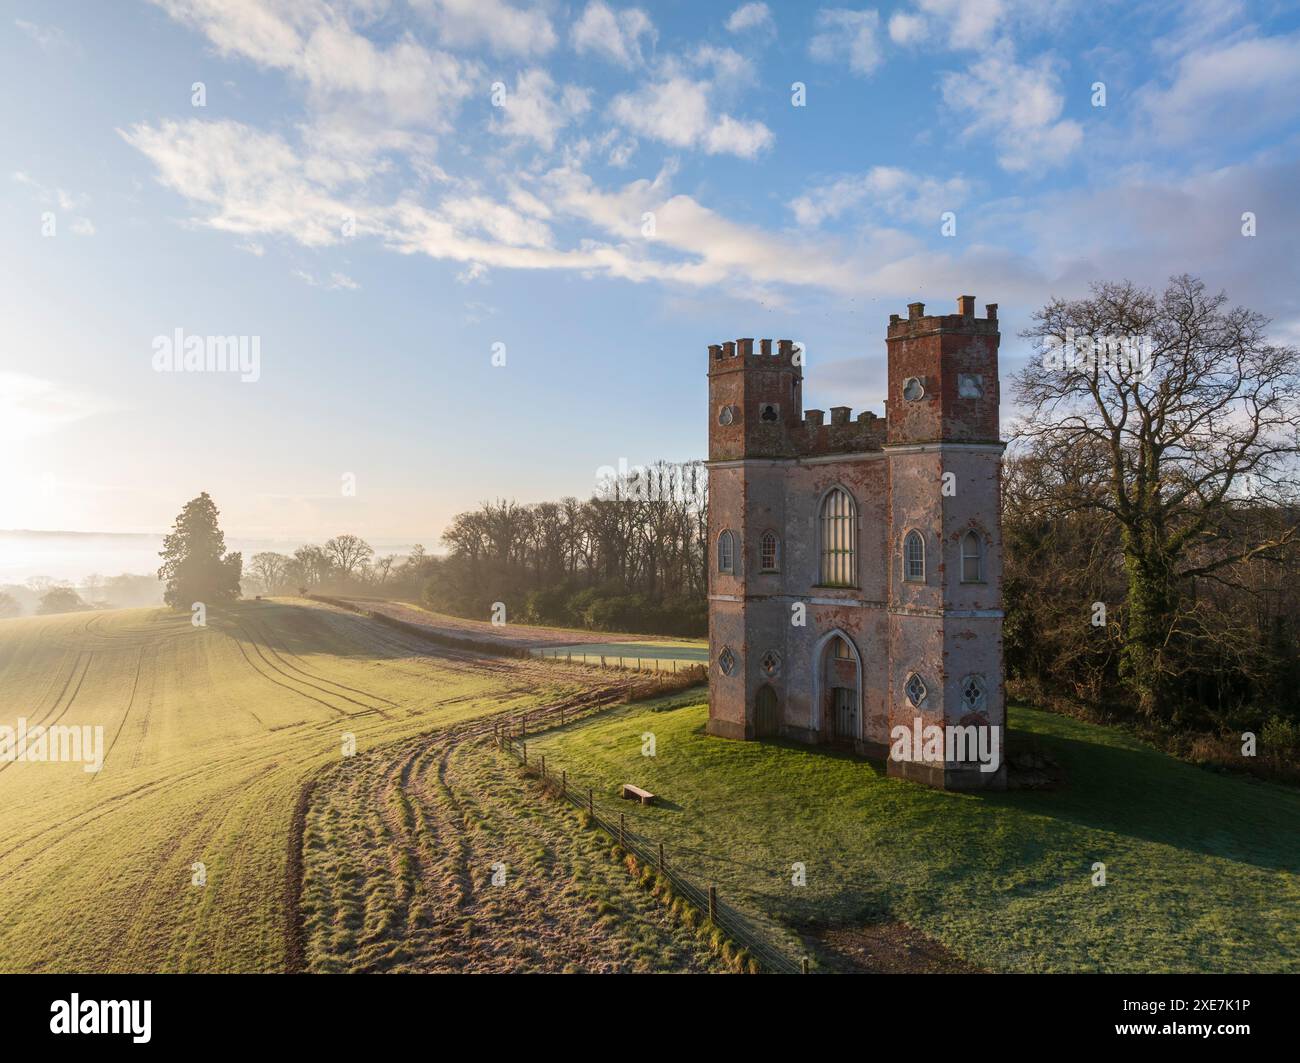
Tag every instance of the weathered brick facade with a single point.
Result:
(810, 521)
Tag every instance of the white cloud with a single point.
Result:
(883, 190)
(51, 39)
(332, 283)
(730, 136)
(68, 202)
(676, 110)
(404, 83)
(505, 29)
(749, 17)
(907, 29)
(1227, 90)
(1019, 105)
(970, 24)
(534, 111)
(251, 182)
(31, 406)
(725, 63)
(616, 35)
(844, 35)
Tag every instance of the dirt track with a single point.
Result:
(436, 855)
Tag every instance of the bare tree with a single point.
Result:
(270, 570)
(312, 565)
(1176, 418)
(383, 566)
(349, 553)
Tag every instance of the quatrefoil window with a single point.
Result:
(915, 689)
(771, 663)
(973, 693)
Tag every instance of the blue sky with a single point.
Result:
(380, 191)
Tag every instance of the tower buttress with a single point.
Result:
(945, 605)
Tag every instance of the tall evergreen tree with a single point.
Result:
(196, 567)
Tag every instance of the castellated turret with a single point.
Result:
(855, 563)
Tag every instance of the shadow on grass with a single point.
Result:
(1137, 791)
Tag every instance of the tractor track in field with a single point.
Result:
(321, 678)
(130, 703)
(280, 683)
(45, 720)
(282, 670)
(424, 831)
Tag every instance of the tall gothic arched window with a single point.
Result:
(727, 552)
(914, 557)
(839, 539)
(972, 558)
(769, 552)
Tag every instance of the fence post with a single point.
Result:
(591, 802)
(564, 784)
(803, 965)
(713, 904)
(524, 747)
(543, 765)
(661, 856)
(622, 830)
(602, 660)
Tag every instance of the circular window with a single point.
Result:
(913, 389)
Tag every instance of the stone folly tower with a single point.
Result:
(855, 566)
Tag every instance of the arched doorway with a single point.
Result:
(766, 713)
(837, 689)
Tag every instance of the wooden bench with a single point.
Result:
(631, 792)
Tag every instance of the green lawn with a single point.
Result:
(1201, 869)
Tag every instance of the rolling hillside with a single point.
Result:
(210, 734)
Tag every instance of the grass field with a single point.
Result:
(224, 747)
(210, 735)
(1202, 870)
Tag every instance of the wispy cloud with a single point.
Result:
(852, 37)
(32, 406)
(1018, 104)
(617, 36)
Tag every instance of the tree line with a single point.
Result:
(631, 558)
(1150, 525)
